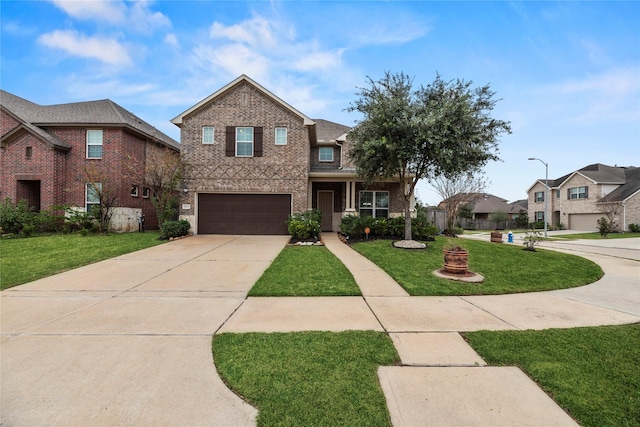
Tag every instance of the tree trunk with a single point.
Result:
(407, 218)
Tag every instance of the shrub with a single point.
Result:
(606, 226)
(634, 228)
(522, 220)
(354, 227)
(305, 225)
(13, 217)
(170, 229)
(531, 239)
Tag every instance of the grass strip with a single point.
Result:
(308, 378)
(591, 372)
(306, 271)
(594, 236)
(507, 269)
(27, 259)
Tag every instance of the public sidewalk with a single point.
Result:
(127, 341)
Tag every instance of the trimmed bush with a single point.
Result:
(634, 228)
(354, 227)
(170, 229)
(305, 225)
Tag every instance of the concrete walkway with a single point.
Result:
(127, 341)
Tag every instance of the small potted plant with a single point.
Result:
(456, 259)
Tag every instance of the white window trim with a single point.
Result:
(578, 193)
(87, 144)
(146, 191)
(286, 135)
(373, 207)
(252, 141)
(86, 195)
(320, 151)
(135, 191)
(213, 135)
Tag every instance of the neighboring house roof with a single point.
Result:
(622, 193)
(90, 113)
(519, 204)
(484, 203)
(243, 78)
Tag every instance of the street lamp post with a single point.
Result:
(546, 190)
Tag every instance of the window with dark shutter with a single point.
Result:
(230, 149)
(257, 142)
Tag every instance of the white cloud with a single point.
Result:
(108, 51)
(136, 16)
(172, 40)
(257, 31)
(612, 95)
(110, 11)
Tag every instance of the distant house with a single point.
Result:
(580, 198)
(482, 205)
(254, 159)
(45, 151)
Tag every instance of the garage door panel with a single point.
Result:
(243, 213)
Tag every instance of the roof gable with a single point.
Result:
(243, 78)
(89, 113)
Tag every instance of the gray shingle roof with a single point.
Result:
(327, 131)
(103, 112)
(632, 176)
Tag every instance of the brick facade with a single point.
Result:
(561, 208)
(59, 173)
(281, 168)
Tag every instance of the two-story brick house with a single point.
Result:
(577, 200)
(46, 152)
(254, 159)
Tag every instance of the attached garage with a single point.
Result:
(584, 222)
(264, 214)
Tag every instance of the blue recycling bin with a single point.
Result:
(510, 237)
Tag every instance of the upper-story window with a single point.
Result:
(578, 193)
(539, 196)
(325, 154)
(28, 152)
(208, 134)
(281, 136)
(244, 142)
(94, 143)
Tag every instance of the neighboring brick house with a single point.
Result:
(45, 151)
(254, 159)
(578, 200)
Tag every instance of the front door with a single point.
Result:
(325, 205)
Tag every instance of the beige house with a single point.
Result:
(254, 159)
(579, 199)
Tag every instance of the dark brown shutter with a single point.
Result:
(257, 142)
(231, 141)
(586, 192)
(568, 194)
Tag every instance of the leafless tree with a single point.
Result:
(105, 191)
(457, 191)
(163, 173)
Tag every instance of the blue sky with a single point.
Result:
(567, 73)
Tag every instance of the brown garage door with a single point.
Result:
(243, 213)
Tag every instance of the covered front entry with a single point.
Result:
(264, 214)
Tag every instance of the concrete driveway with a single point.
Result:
(127, 341)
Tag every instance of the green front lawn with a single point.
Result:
(306, 271)
(506, 268)
(308, 378)
(591, 372)
(28, 259)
